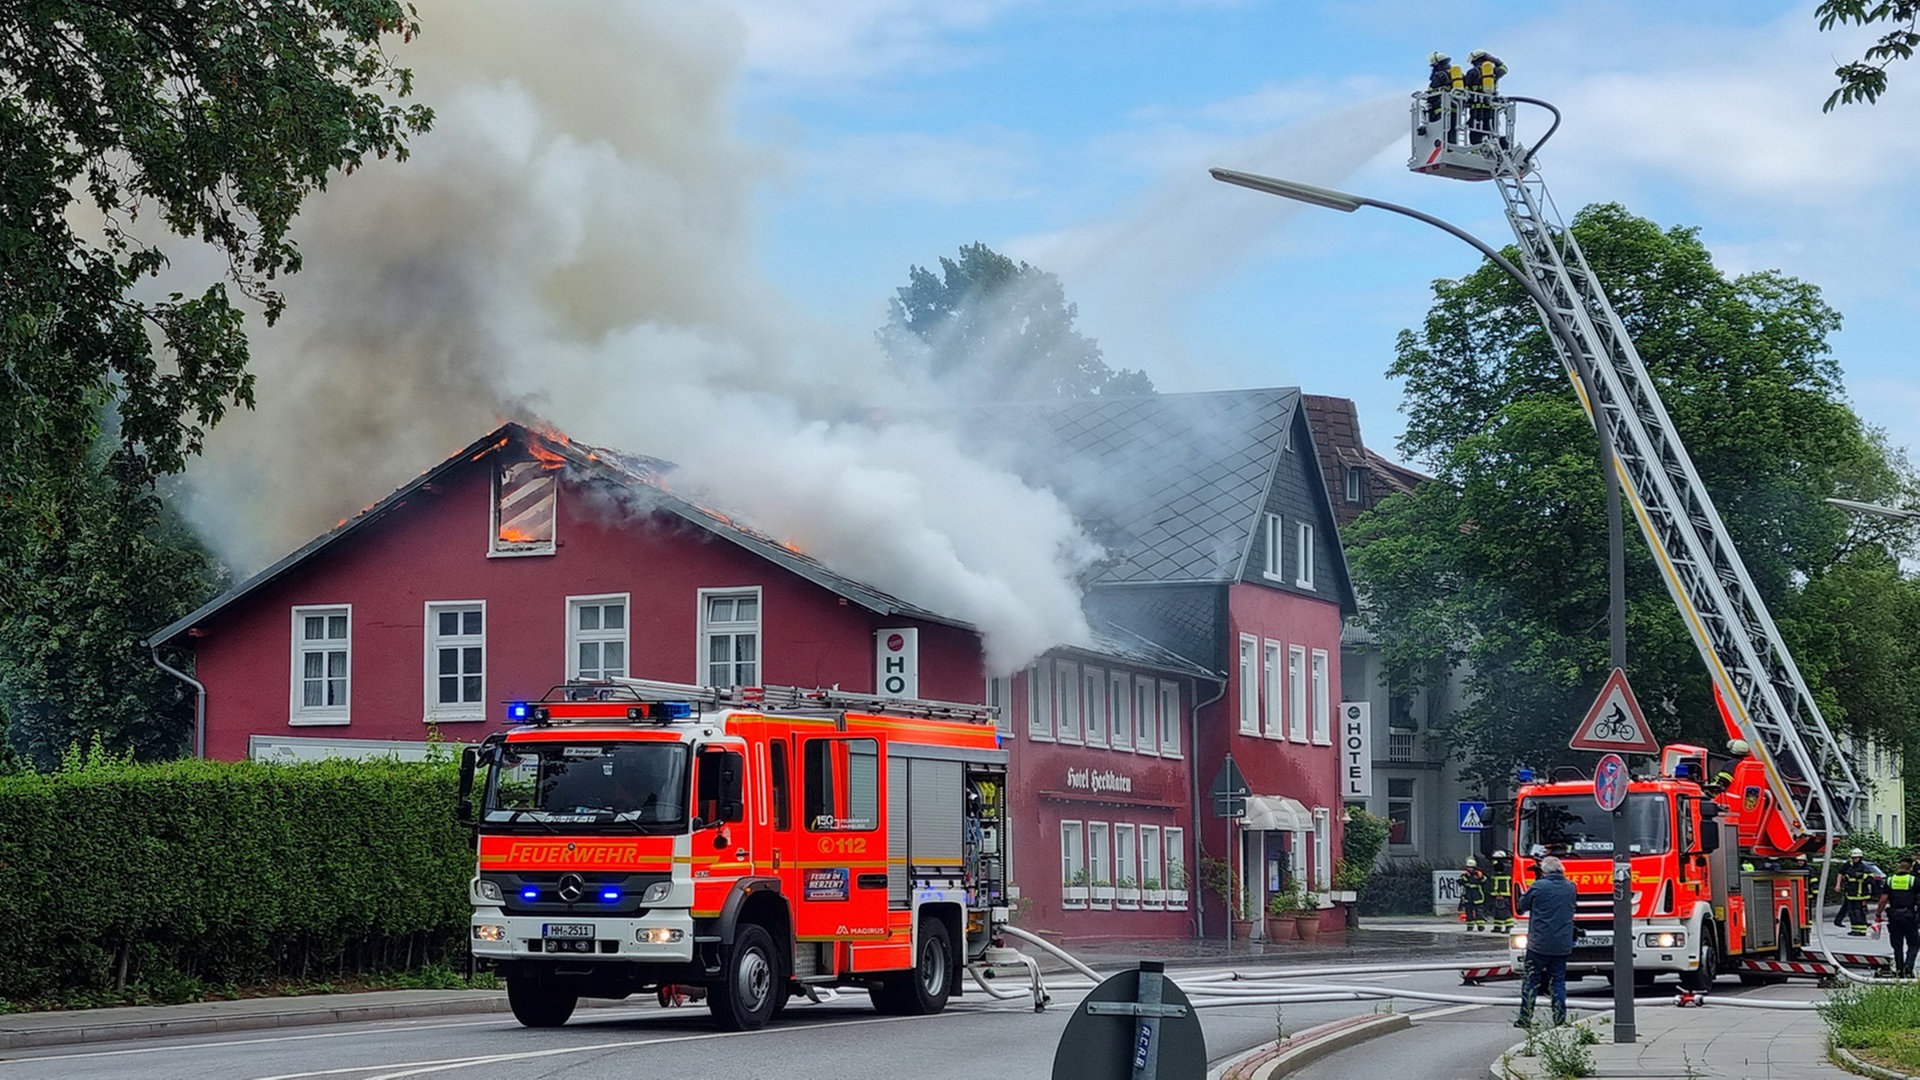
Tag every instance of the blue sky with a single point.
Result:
(1076, 135)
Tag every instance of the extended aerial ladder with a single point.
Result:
(1470, 136)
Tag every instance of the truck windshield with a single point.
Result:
(631, 783)
(1575, 825)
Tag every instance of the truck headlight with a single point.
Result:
(658, 935)
(486, 890)
(656, 892)
(1665, 940)
(1518, 941)
(485, 932)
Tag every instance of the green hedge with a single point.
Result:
(1399, 887)
(154, 881)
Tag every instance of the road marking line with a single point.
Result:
(421, 1068)
(1450, 1010)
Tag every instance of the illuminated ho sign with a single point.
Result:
(897, 662)
(1356, 749)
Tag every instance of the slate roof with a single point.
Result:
(1171, 484)
(634, 472)
(1335, 423)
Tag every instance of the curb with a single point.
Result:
(1867, 1068)
(98, 1030)
(1281, 1058)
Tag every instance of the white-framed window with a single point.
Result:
(1322, 849)
(322, 664)
(1322, 700)
(1120, 709)
(456, 678)
(1093, 699)
(1152, 875)
(1304, 564)
(1000, 696)
(525, 498)
(1169, 718)
(597, 636)
(1146, 714)
(1040, 701)
(1066, 690)
(1126, 857)
(1249, 685)
(1099, 855)
(1274, 698)
(1175, 849)
(1073, 859)
(1356, 484)
(1297, 693)
(1275, 547)
(730, 636)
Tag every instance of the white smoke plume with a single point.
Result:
(573, 243)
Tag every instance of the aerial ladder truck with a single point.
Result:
(1715, 873)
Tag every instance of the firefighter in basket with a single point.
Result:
(1484, 72)
(1442, 76)
(1500, 893)
(1473, 895)
(1857, 882)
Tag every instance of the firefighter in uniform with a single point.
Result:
(1900, 907)
(1500, 893)
(1857, 882)
(1484, 72)
(1723, 779)
(1473, 894)
(1441, 77)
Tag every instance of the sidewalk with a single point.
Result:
(1710, 1041)
(1375, 938)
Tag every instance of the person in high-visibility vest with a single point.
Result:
(1484, 72)
(1441, 77)
(1900, 907)
(1857, 882)
(1473, 894)
(1500, 893)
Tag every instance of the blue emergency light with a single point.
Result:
(660, 710)
(530, 894)
(611, 896)
(517, 712)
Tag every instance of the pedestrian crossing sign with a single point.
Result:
(1473, 816)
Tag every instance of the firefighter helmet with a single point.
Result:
(1856, 853)
(1739, 748)
(1439, 58)
(1478, 55)
(1471, 861)
(1500, 854)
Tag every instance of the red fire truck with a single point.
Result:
(1715, 876)
(754, 843)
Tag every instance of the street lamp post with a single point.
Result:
(1623, 1023)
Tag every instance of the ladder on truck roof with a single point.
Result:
(1813, 785)
(799, 698)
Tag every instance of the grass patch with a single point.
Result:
(1878, 1022)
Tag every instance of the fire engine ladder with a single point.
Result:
(799, 698)
(1813, 786)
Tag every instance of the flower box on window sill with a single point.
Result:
(1177, 900)
(1128, 899)
(1102, 894)
(1153, 898)
(1073, 895)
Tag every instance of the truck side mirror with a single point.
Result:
(1709, 833)
(463, 809)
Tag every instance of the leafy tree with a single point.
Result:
(124, 122)
(1003, 328)
(1499, 567)
(1865, 79)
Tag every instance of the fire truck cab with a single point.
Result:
(1715, 875)
(748, 843)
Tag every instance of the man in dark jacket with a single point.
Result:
(1549, 910)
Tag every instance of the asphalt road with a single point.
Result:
(843, 1040)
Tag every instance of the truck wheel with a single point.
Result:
(538, 1006)
(1701, 978)
(924, 990)
(744, 1000)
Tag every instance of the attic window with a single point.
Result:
(525, 488)
(1356, 485)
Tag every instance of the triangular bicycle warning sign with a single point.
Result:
(1615, 724)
